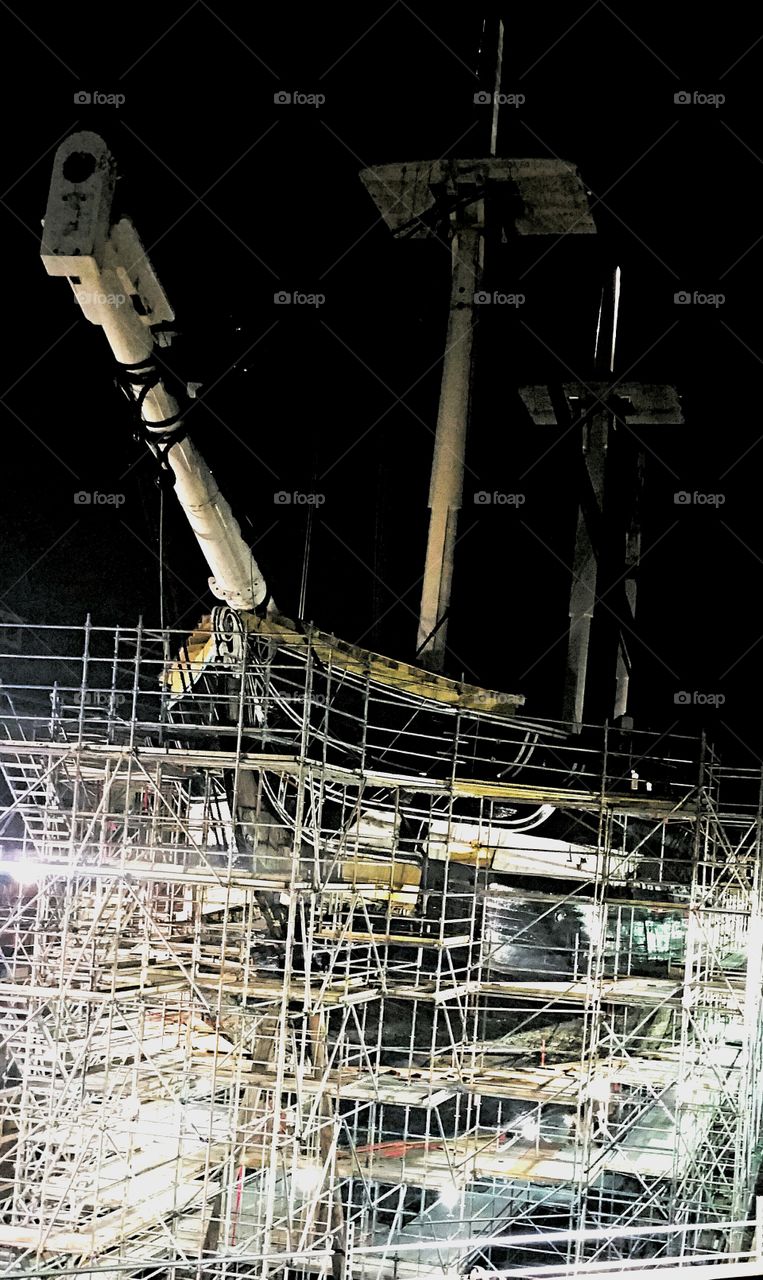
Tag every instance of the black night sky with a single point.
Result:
(237, 197)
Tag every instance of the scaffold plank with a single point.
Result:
(380, 939)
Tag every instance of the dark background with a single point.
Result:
(237, 197)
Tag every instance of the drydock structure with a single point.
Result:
(317, 963)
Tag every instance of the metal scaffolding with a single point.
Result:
(312, 963)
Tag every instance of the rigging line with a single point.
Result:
(306, 552)
(161, 560)
(166, 654)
